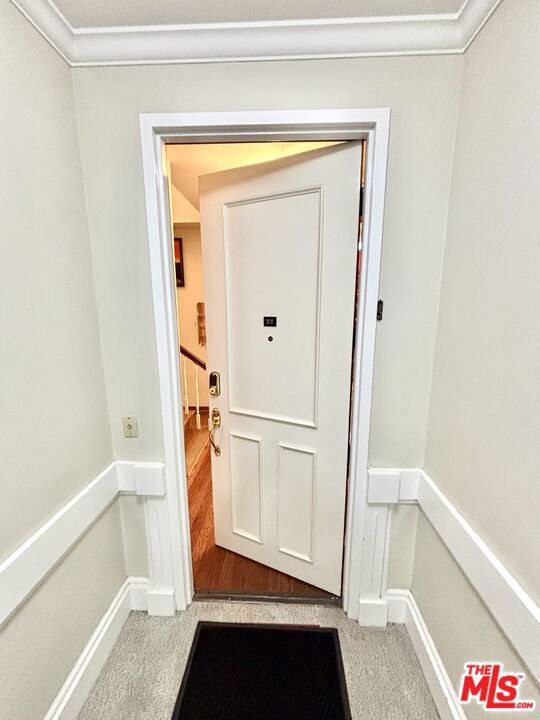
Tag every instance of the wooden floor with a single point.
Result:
(216, 569)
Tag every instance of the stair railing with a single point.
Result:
(188, 357)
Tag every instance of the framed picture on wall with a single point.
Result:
(179, 261)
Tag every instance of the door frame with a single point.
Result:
(171, 526)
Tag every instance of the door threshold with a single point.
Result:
(292, 598)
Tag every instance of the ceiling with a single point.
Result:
(189, 162)
(111, 13)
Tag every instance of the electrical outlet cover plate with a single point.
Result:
(131, 427)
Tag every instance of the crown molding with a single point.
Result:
(245, 41)
(51, 24)
(473, 16)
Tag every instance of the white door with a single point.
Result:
(279, 249)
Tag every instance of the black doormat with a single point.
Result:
(263, 672)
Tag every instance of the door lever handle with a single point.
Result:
(216, 423)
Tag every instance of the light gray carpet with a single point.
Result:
(143, 674)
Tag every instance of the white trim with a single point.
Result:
(513, 609)
(398, 605)
(383, 486)
(74, 692)
(179, 567)
(160, 598)
(24, 569)
(364, 359)
(372, 612)
(474, 15)
(28, 565)
(396, 601)
(393, 485)
(146, 478)
(369, 124)
(402, 608)
(373, 561)
(449, 33)
(149, 479)
(138, 593)
(51, 24)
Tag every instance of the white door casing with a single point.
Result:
(279, 245)
(157, 129)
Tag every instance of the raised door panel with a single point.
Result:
(296, 501)
(246, 486)
(272, 258)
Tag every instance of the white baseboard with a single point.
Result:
(397, 602)
(402, 608)
(74, 692)
(396, 606)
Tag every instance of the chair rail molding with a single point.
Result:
(511, 606)
(449, 33)
(514, 610)
(24, 569)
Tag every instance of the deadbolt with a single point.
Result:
(214, 384)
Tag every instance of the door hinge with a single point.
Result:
(380, 308)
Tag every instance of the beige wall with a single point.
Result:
(422, 94)
(55, 434)
(483, 446)
(483, 442)
(55, 430)
(134, 535)
(461, 626)
(403, 519)
(483, 426)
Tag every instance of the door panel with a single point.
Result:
(246, 486)
(272, 246)
(279, 250)
(296, 501)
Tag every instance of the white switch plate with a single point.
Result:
(131, 427)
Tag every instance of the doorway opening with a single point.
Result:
(217, 570)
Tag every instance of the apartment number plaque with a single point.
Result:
(269, 321)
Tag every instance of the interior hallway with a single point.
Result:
(214, 568)
(143, 674)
